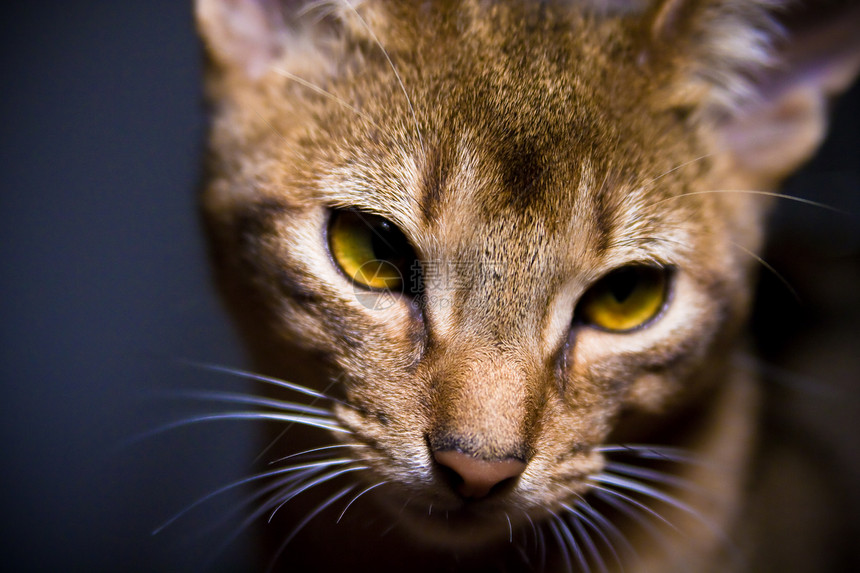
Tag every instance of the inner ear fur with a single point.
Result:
(242, 35)
(759, 73)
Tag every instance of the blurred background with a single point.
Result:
(104, 289)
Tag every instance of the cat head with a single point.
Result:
(505, 225)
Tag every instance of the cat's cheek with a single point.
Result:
(649, 393)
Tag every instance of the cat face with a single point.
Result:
(505, 228)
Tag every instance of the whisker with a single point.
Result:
(308, 518)
(272, 127)
(542, 548)
(305, 83)
(565, 551)
(388, 530)
(243, 481)
(323, 8)
(524, 556)
(574, 546)
(633, 485)
(755, 192)
(793, 380)
(283, 432)
(628, 506)
(653, 452)
(595, 554)
(238, 398)
(653, 475)
(342, 513)
(770, 268)
(614, 532)
(651, 492)
(316, 450)
(260, 378)
(589, 543)
(510, 529)
(323, 423)
(273, 499)
(308, 485)
(532, 524)
(367, 27)
(696, 160)
(620, 496)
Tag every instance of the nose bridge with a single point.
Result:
(484, 406)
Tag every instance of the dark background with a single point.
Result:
(104, 286)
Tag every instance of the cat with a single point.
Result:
(494, 260)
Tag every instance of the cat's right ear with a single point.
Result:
(250, 37)
(245, 36)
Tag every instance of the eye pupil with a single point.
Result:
(622, 284)
(370, 250)
(390, 245)
(625, 299)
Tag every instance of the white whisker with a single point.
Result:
(653, 452)
(770, 268)
(754, 192)
(324, 423)
(238, 398)
(664, 174)
(595, 554)
(652, 475)
(586, 539)
(256, 477)
(281, 484)
(316, 450)
(635, 486)
(260, 378)
(574, 546)
(613, 532)
(303, 82)
(308, 485)
(273, 499)
(627, 506)
(532, 525)
(653, 493)
(542, 548)
(615, 496)
(308, 518)
(323, 395)
(510, 529)
(374, 486)
(565, 552)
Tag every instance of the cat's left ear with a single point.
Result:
(764, 85)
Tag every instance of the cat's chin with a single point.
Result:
(467, 527)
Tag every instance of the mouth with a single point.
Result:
(467, 524)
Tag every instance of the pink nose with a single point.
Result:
(478, 476)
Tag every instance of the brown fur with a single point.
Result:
(525, 149)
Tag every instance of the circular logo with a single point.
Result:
(377, 271)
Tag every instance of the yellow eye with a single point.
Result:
(370, 250)
(626, 298)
